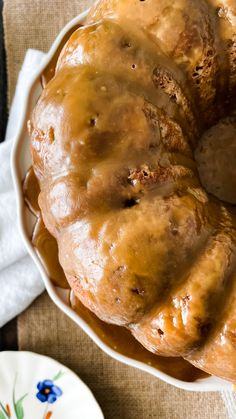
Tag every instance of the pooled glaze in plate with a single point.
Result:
(36, 386)
(21, 162)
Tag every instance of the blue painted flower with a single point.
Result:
(48, 392)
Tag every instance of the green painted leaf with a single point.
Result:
(2, 416)
(4, 410)
(59, 375)
(18, 406)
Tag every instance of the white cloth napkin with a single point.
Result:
(20, 282)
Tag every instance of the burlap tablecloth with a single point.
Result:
(123, 392)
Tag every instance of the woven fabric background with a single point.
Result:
(123, 392)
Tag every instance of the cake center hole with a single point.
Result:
(216, 160)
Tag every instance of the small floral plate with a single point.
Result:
(37, 387)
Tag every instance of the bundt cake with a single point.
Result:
(146, 233)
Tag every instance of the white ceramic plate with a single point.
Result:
(20, 164)
(38, 387)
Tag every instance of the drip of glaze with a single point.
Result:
(49, 71)
(42, 240)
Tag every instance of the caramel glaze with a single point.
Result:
(49, 71)
(117, 338)
(43, 241)
(31, 192)
(112, 138)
